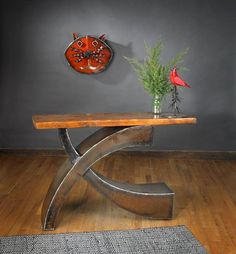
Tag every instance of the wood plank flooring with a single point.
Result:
(205, 196)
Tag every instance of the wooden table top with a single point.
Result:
(105, 120)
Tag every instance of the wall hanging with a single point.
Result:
(88, 54)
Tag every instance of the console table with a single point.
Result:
(119, 130)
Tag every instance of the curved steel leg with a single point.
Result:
(51, 206)
(95, 138)
(97, 146)
(153, 200)
(66, 143)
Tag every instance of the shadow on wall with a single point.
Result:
(119, 68)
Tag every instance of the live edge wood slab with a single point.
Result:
(105, 120)
(119, 130)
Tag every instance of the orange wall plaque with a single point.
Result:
(88, 54)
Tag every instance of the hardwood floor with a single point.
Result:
(205, 196)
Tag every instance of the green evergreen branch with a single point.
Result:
(151, 73)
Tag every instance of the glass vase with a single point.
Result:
(156, 104)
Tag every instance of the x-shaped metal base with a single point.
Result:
(151, 200)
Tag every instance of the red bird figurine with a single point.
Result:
(176, 80)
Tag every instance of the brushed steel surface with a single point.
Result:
(106, 142)
(96, 137)
(67, 145)
(152, 200)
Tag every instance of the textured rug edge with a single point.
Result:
(184, 231)
(99, 231)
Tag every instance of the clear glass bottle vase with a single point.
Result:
(156, 104)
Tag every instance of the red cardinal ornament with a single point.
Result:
(176, 80)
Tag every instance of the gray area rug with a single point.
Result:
(163, 240)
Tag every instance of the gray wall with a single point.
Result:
(35, 77)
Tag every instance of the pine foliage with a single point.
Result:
(152, 74)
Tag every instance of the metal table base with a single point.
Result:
(153, 200)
